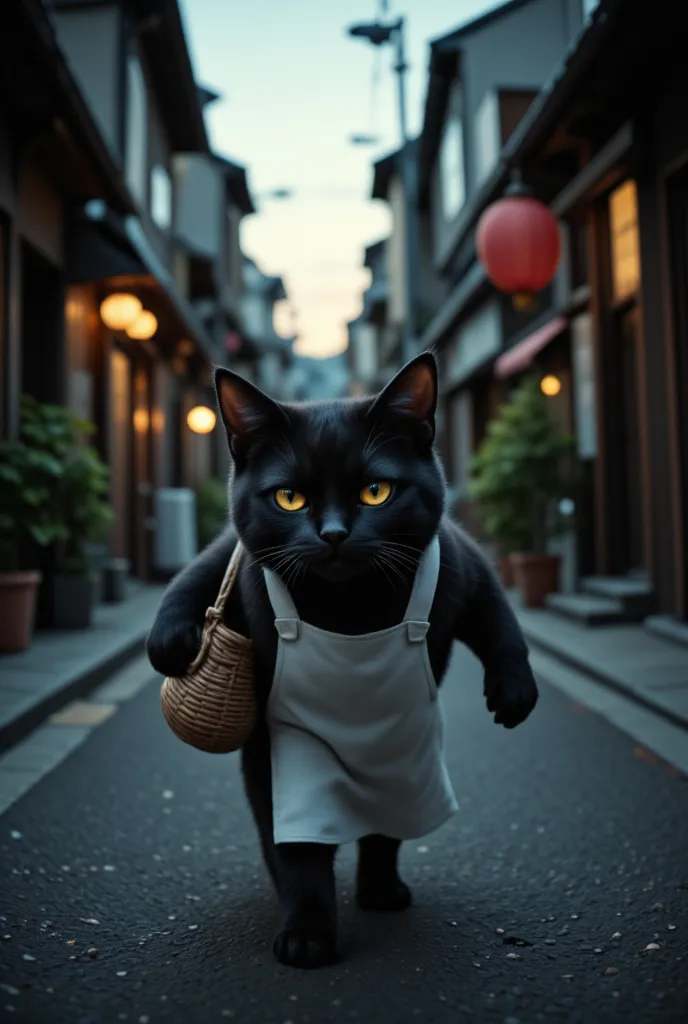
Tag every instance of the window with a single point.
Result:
(623, 227)
(462, 438)
(161, 197)
(589, 7)
(136, 148)
(452, 183)
(487, 141)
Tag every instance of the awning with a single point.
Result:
(522, 355)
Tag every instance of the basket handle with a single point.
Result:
(229, 578)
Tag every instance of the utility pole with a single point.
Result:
(378, 34)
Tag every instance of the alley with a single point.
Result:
(133, 889)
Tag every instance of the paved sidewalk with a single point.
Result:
(63, 665)
(651, 671)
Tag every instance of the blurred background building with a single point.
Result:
(123, 280)
(583, 100)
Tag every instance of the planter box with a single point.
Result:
(18, 598)
(536, 576)
(74, 597)
(505, 569)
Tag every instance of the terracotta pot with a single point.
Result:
(505, 569)
(536, 576)
(18, 595)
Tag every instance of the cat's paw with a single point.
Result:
(386, 898)
(172, 646)
(511, 694)
(306, 946)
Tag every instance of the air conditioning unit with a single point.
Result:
(176, 536)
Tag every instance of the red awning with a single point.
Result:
(521, 356)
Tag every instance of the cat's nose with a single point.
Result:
(334, 534)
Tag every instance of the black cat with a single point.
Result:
(348, 571)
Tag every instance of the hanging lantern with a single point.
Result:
(201, 419)
(518, 243)
(144, 326)
(120, 310)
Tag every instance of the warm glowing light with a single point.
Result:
(550, 386)
(120, 310)
(144, 327)
(141, 420)
(201, 419)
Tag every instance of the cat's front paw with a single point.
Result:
(511, 694)
(306, 946)
(172, 646)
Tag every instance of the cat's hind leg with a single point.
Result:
(303, 873)
(378, 885)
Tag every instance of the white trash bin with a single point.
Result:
(176, 537)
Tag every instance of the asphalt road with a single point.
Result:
(141, 851)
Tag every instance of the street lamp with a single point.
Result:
(378, 34)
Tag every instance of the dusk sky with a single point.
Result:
(295, 87)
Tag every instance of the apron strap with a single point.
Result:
(280, 598)
(425, 584)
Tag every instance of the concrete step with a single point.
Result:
(586, 609)
(668, 628)
(636, 595)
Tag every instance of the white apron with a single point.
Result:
(356, 728)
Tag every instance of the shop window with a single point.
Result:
(625, 250)
(161, 197)
(462, 438)
(452, 183)
(136, 148)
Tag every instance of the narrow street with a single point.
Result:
(133, 889)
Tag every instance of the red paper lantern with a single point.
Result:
(518, 243)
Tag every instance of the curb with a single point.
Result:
(77, 686)
(598, 673)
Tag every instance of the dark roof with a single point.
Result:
(169, 60)
(207, 96)
(445, 63)
(374, 250)
(45, 94)
(384, 170)
(551, 101)
(159, 26)
(237, 183)
(466, 28)
(274, 287)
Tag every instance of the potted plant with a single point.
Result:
(212, 513)
(28, 478)
(84, 512)
(499, 515)
(525, 459)
(80, 506)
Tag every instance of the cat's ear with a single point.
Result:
(411, 395)
(246, 410)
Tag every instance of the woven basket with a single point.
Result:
(213, 706)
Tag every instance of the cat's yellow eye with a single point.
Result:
(290, 501)
(376, 493)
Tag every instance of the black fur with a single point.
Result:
(356, 582)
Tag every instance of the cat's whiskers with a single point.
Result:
(370, 451)
(378, 564)
(384, 559)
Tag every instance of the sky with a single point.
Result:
(294, 89)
